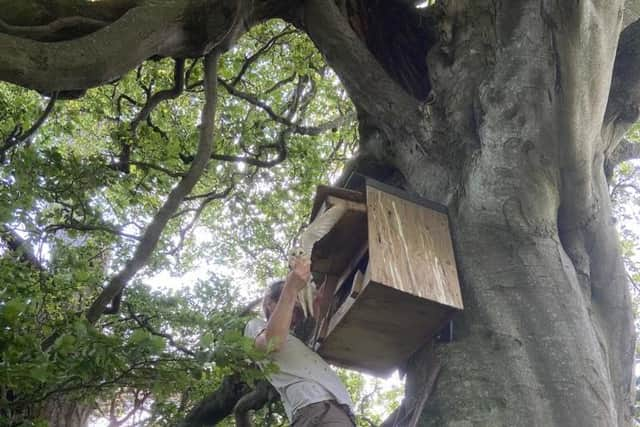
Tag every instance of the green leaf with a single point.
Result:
(39, 373)
(138, 336)
(12, 310)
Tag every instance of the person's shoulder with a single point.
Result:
(254, 327)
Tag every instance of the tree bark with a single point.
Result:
(61, 412)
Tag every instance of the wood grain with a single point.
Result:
(381, 330)
(410, 248)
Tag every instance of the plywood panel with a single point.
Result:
(382, 329)
(410, 248)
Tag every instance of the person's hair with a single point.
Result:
(274, 290)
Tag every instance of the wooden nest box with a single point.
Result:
(389, 277)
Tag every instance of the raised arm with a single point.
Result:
(279, 322)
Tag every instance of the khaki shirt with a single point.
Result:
(304, 377)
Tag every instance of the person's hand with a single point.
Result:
(300, 273)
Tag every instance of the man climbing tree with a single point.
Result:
(512, 114)
(311, 392)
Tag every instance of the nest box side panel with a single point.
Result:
(410, 248)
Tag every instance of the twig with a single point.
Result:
(144, 324)
(146, 165)
(207, 198)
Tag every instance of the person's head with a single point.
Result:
(271, 297)
(270, 300)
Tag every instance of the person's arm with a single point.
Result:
(275, 334)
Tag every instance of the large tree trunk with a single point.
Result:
(61, 412)
(513, 143)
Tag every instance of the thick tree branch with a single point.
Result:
(218, 405)
(44, 12)
(364, 78)
(254, 400)
(17, 137)
(61, 29)
(156, 29)
(97, 58)
(232, 397)
(154, 230)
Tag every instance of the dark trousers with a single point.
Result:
(324, 414)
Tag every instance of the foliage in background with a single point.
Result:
(76, 196)
(625, 196)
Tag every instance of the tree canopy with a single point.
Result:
(82, 179)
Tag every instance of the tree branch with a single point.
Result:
(280, 145)
(256, 399)
(163, 95)
(60, 29)
(364, 78)
(42, 12)
(17, 137)
(218, 405)
(206, 199)
(625, 151)
(154, 230)
(75, 225)
(97, 58)
(296, 128)
(145, 324)
(22, 249)
(263, 49)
